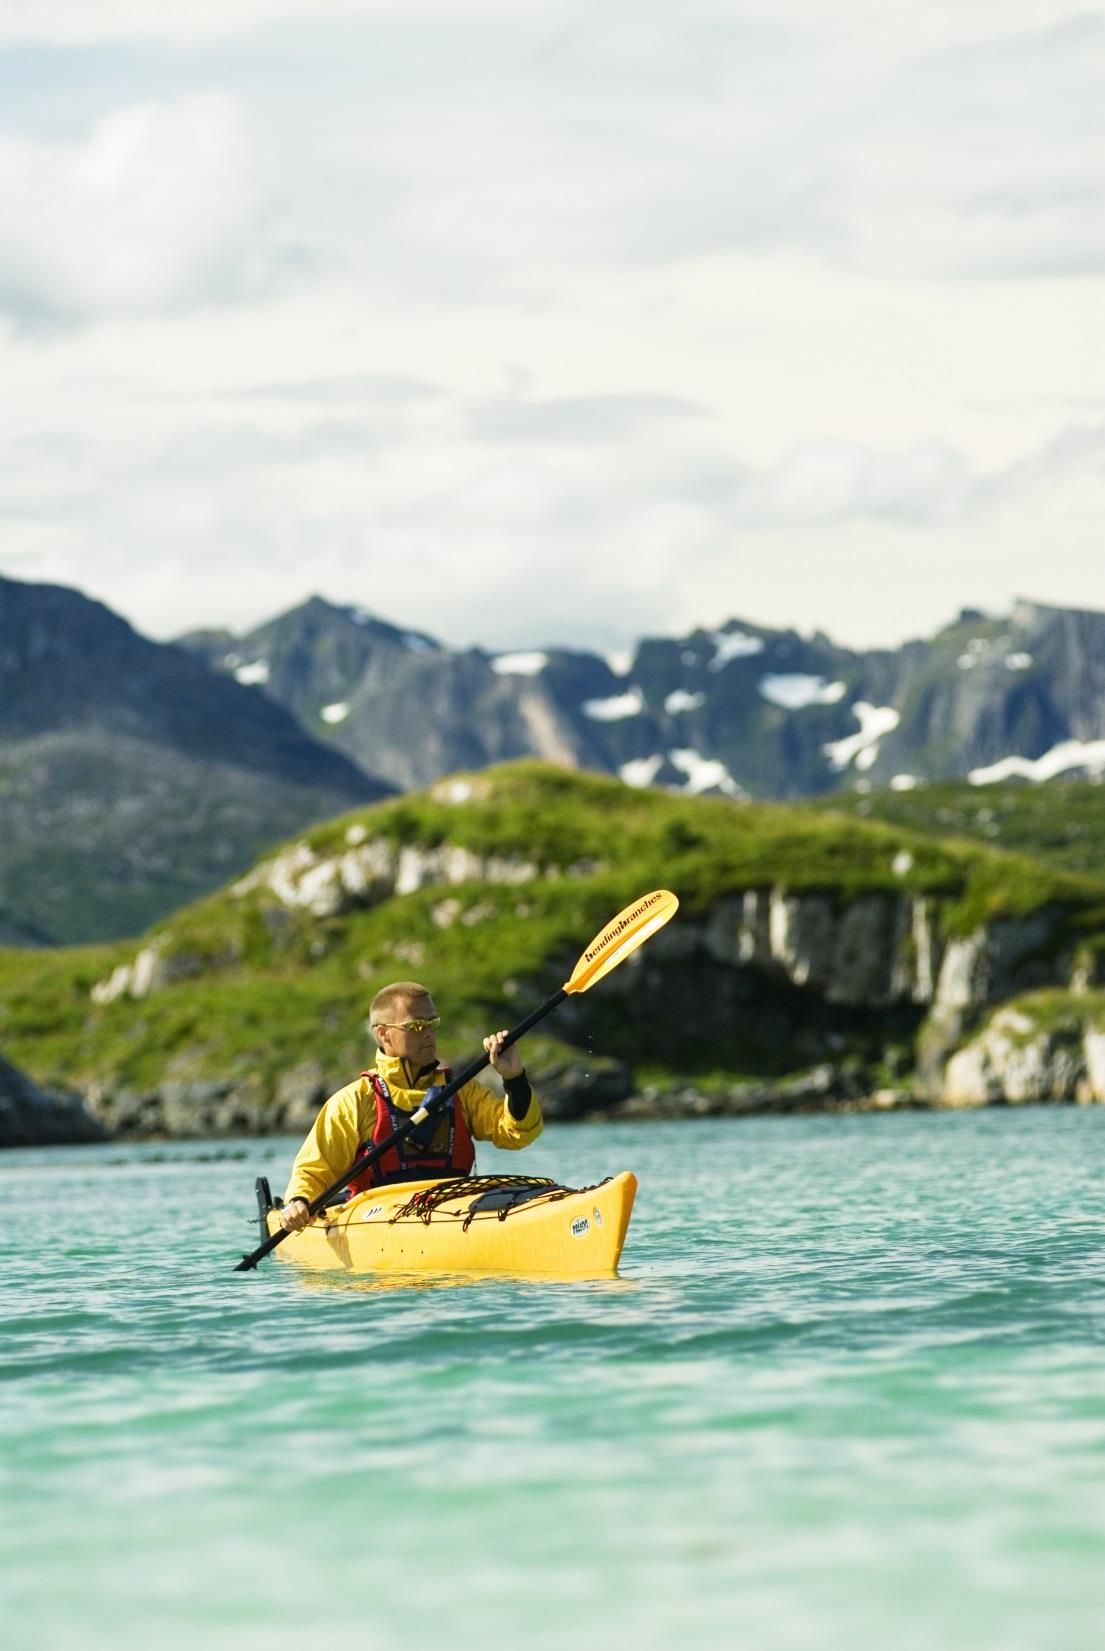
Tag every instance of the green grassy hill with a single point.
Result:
(1062, 823)
(249, 985)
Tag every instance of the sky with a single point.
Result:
(527, 322)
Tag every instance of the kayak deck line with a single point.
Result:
(497, 1195)
(495, 1223)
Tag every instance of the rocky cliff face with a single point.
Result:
(31, 1117)
(399, 704)
(886, 956)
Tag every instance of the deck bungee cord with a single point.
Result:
(495, 1195)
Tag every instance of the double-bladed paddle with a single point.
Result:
(630, 929)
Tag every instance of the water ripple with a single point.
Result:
(846, 1391)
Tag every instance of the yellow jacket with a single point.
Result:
(348, 1118)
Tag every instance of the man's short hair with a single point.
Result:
(384, 1003)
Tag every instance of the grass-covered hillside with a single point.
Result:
(1061, 822)
(253, 981)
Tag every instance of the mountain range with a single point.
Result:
(743, 710)
(136, 775)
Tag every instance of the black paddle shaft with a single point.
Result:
(446, 1093)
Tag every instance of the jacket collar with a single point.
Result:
(397, 1074)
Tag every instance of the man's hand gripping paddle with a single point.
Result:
(630, 929)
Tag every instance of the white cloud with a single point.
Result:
(985, 190)
(688, 311)
(89, 22)
(155, 208)
(826, 480)
(251, 503)
(514, 145)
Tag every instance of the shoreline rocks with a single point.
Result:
(32, 1117)
(604, 1091)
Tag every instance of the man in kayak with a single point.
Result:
(404, 1023)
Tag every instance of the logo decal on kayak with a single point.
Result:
(580, 1226)
(375, 1210)
(596, 1216)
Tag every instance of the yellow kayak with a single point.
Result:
(478, 1224)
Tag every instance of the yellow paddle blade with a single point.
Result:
(630, 929)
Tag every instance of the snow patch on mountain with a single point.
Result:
(1019, 662)
(875, 721)
(703, 773)
(253, 674)
(680, 700)
(521, 664)
(733, 645)
(904, 782)
(335, 713)
(418, 644)
(642, 770)
(795, 692)
(1087, 754)
(620, 661)
(615, 709)
(977, 649)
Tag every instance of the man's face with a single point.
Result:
(417, 1048)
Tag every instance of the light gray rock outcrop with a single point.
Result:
(871, 951)
(977, 971)
(362, 875)
(874, 950)
(366, 872)
(1093, 1047)
(153, 968)
(1014, 1060)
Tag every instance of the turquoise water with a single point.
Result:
(848, 1391)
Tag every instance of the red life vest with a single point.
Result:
(440, 1146)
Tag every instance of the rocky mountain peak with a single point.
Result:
(740, 708)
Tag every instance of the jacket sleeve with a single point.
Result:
(488, 1118)
(330, 1147)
